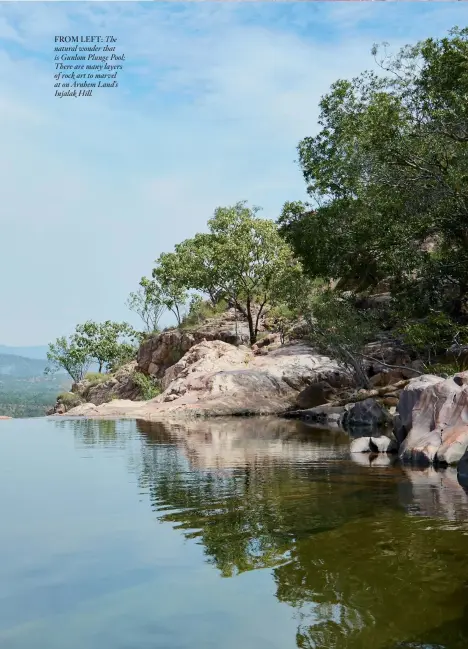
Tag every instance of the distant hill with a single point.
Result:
(12, 365)
(24, 390)
(37, 351)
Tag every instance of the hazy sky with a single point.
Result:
(211, 106)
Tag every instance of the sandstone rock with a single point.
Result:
(383, 378)
(439, 431)
(5, 417)
(408, 399)
(65, 402)
(163, 350)
(114, 386)
(121, 386)
(455, 442)
(215, 378)
(315, 394)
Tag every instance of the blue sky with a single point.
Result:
(211, 105)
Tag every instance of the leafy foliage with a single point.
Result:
(109, 343)
(200, 310)
(282, 318)
(434, 335)
(169, 277)
(149, 387)
(69, 355)
(388, 175)
(242, 259)
(69, 399)
(148, 303)
(340, 330)
(96, 377)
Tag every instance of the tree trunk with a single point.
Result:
(257, 320)
(253, 335)
(361, 377)
(100, 367)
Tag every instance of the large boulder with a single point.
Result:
(315, 394)
(439, 430)
(120, 385)
(408, 399)
(161, 351)
(368, 412)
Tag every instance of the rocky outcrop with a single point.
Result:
(5, 417)
(215, 378)
(120, 385)
(66, 401)
(161, 351)
(438, 423)
(408, 398)
(314, 395)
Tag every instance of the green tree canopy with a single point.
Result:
(241, 259)
(169, 276)
(388, 177)
(67, 354)
(148, 303)
(108, 343)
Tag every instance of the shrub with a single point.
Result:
(96, 377)
(201, 310)
(149, 387)
(446, 370)
(433, 335)
(69, 399)
(282, 318)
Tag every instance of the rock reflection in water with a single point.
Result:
(336, 535)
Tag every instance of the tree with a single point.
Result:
(340, 330)
(70, 356)
(109, 343)
(242, 258)
(169, 277)
(148, 303)
(387, 175)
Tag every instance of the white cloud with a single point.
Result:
(94, 189)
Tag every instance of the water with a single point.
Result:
(244, 534)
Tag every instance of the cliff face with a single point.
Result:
(161, 351)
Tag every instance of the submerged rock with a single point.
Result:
(376, 444)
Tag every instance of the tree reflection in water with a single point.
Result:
(345, 550)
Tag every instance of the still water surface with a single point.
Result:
(244, 534)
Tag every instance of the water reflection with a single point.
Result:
(367, 553)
